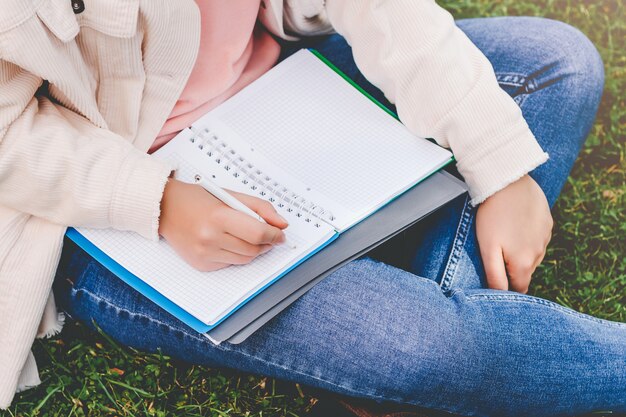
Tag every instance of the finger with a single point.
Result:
(236, 245)
(539, 260)
(263, 208)
(232, 258)
(495, 271)
(209, 266)
(249, 229)
(520, 270)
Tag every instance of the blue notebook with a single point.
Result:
(304, 139)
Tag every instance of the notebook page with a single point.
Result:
(321, 130)
(258, 175)
(208, 296)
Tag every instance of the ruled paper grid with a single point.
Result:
(323, 131)
(206, 295)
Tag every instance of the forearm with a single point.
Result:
(442, 85)
(56, 165)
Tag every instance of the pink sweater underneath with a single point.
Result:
(234, 51)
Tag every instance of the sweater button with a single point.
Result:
(78, 6)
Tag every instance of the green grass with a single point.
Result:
(585, 268)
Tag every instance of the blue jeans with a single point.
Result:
(424, 331)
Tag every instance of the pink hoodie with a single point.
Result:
(234, 51)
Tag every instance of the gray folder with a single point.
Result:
(401, 213)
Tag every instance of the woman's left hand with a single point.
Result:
(513, 228)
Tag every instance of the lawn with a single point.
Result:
(585, 268)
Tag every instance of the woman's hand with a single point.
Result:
(210, 235)
(513, 227)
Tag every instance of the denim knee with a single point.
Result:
(576, 55)
(442, 360)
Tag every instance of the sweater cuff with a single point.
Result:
(136, 202)
(489, 173)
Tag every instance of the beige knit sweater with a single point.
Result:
(72, 147)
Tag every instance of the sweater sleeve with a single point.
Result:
(56, 165)
(442, 85)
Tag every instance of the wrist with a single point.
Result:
(487, 171)
(165, 205)
(135, 204)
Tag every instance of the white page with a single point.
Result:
(259, 175)
(347, 156)
(208, 296)
(326, 134)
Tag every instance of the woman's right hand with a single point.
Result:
(210, 235)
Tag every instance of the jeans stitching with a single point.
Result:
(511, 78)
(520, 99)
(134, 314)
(517, 80)
(460, 238)
(224, 348)
(371, 394)
(540, 301)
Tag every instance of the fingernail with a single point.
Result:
(282, 218)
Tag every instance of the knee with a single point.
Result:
(438, 351)
(573, 53)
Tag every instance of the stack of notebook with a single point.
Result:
(333, 163)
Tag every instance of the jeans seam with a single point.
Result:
(224, 348)
(134, 314)
(517, 80)
(370, 394)
(511, 78)
(460, 237)
(520, 99)
(520, 298)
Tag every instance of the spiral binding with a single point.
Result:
(255, 179)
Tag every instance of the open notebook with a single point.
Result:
(301, 137)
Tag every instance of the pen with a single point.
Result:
(226, 198)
